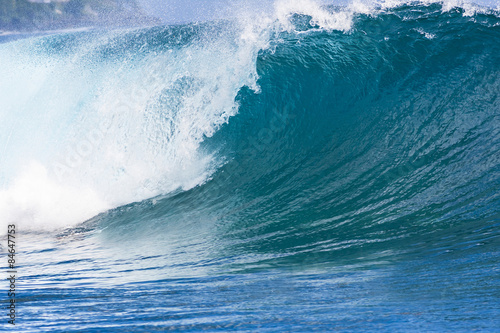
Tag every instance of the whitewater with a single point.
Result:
(304, 167)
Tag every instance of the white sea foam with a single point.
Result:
(36, 201)
(321, 17)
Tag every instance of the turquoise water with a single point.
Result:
(317, 169)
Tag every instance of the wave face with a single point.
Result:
(340, 165)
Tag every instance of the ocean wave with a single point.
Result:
(313, 131)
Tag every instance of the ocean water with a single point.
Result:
(305, 169)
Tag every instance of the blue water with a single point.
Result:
(311, 169)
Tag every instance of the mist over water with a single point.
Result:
(295, 167)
